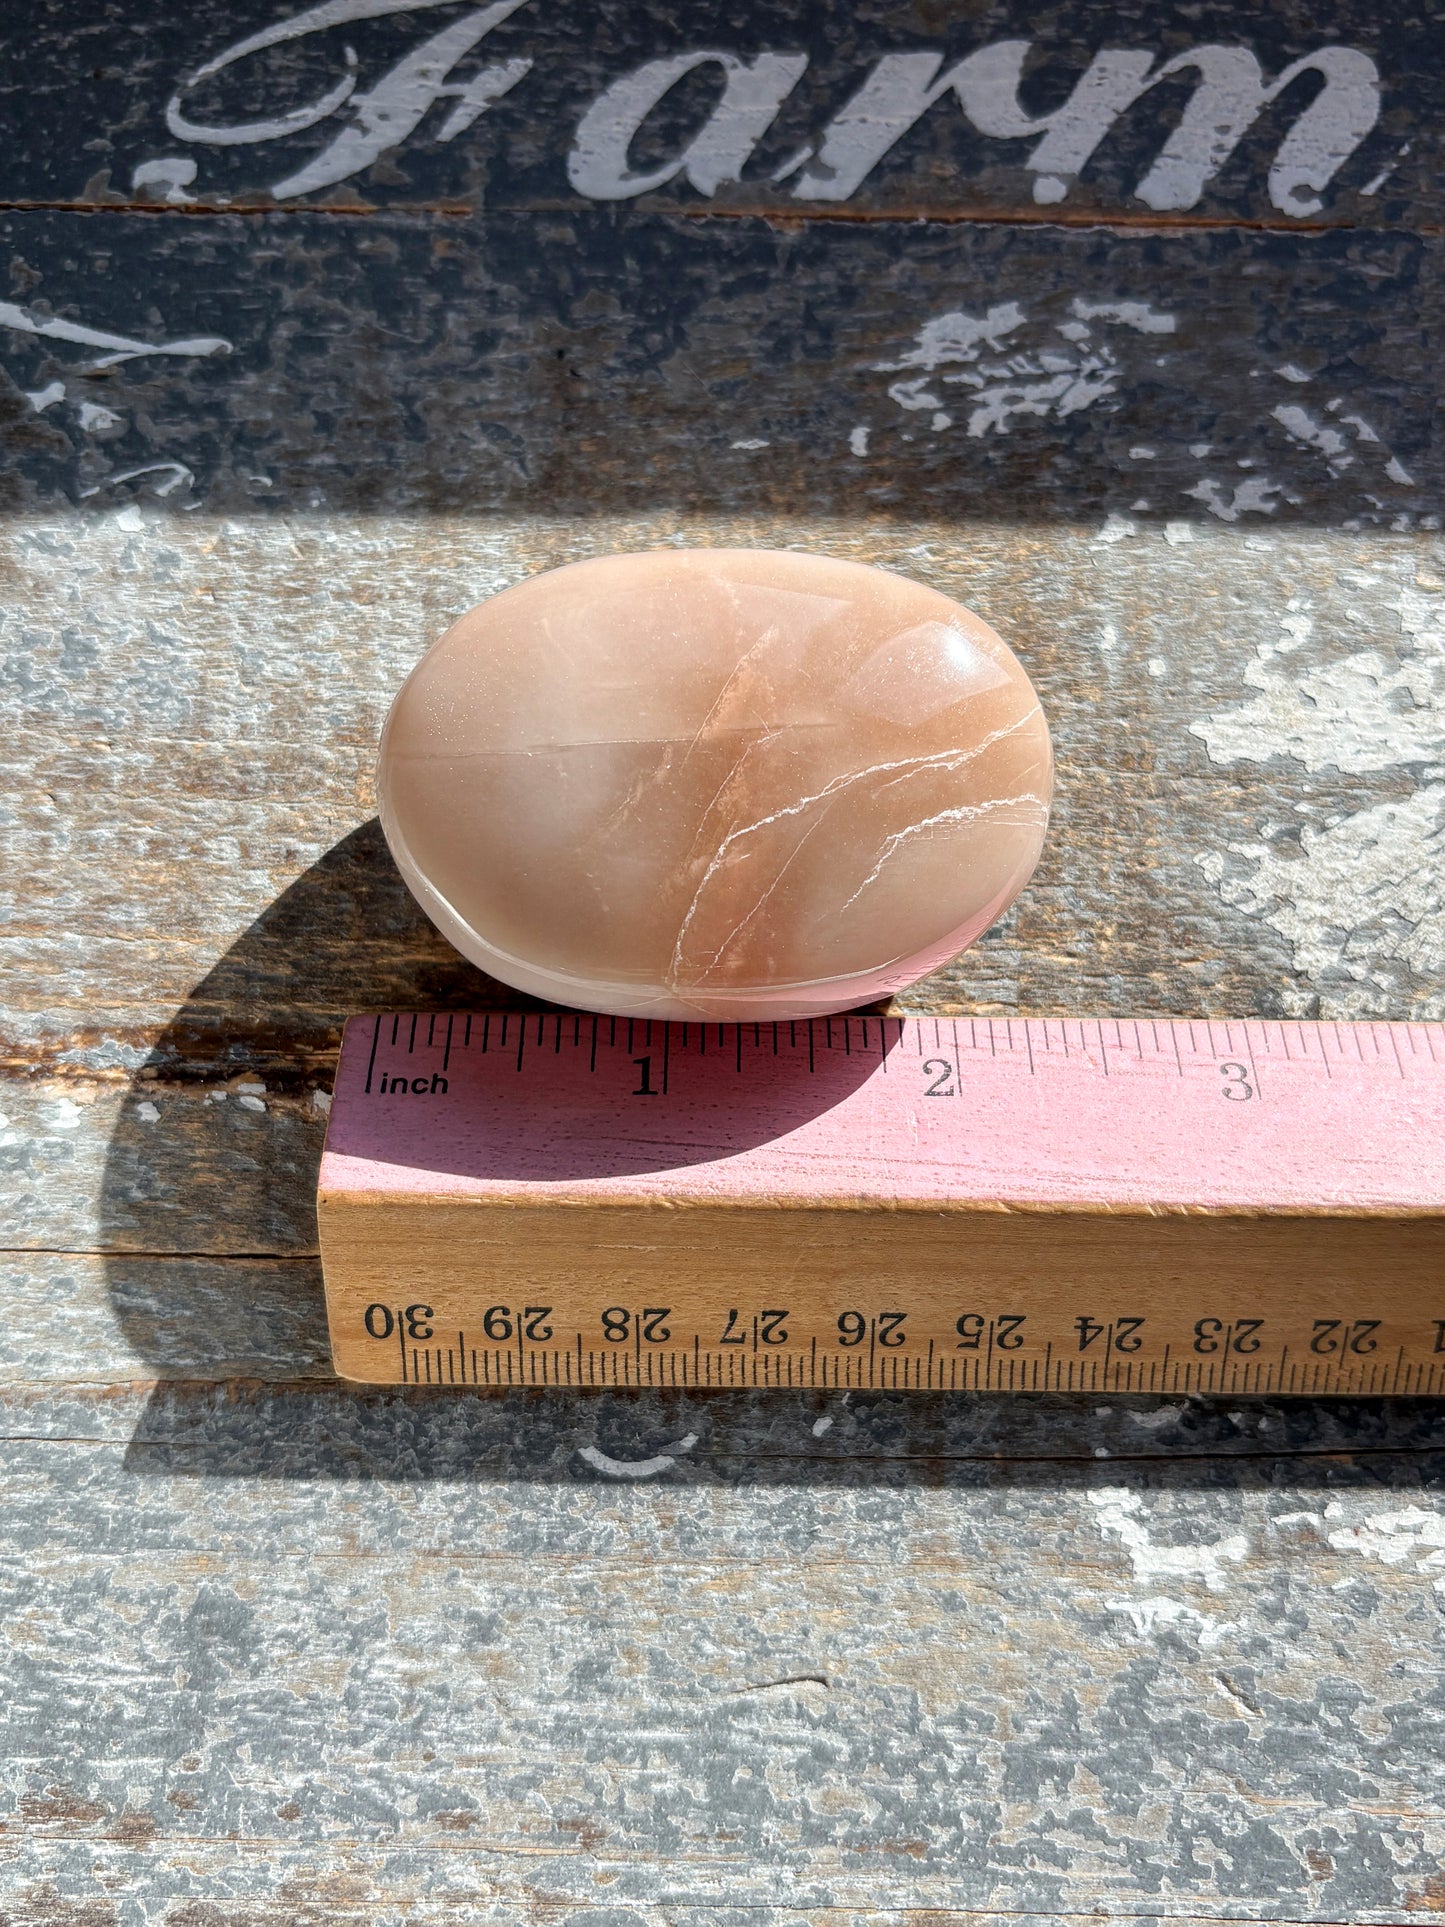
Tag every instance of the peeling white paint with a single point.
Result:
(1367, 885)
(1362, 428)
(1255, 496)
(858, 441)
(122, 347)
(822, 1425)
(1410, 1536)
(1052, 370)
(172, 172)
(1297, 1519)
(1119, 1516)
(636, 1468)
(147, 1112)
(1139, 315)
(1117, 528)
(1371, 886)
(96, 419)
(750, 444)
(1328, 441)
(42, 398)
(1302, 427)
(1365, 711)
(1147, 1616)
(175, 472)
(1155, 1421)
(956, 336)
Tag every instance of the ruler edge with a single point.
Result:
(905, 1017)
(328, 1197)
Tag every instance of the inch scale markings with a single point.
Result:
(952, 1204)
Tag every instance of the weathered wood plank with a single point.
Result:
(83, 1318)
(350, 108)
(1246, 726)
(284, 1887)
(160, 1170)
(911, 369)
(1014, 1691)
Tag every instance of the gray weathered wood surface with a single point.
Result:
(274, 1650)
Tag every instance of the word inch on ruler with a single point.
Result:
(921, 1203)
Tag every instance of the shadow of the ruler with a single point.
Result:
(862, 1440)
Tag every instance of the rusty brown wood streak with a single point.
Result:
(787, 214)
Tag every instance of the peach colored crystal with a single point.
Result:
(722, 783)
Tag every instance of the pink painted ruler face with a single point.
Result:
(929, 1111)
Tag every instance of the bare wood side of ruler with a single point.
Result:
(887, 1202)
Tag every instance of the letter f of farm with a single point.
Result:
(381, 118)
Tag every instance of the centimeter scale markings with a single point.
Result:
(915, 1203)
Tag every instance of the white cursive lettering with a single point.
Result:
(386, 115)
(1229, 97)
(1229, 94)
(754, 91)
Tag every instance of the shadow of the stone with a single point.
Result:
(346, 936)
(209, 1217)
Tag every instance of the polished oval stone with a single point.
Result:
(722, 783)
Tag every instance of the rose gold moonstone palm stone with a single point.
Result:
(721, 783)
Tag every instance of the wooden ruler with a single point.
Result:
(949, 1203)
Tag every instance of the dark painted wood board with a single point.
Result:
(276, 1650)
(439, 103)
(293, 362)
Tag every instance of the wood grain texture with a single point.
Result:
(284, 1652)
(1068, 1696)
(903, 370)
